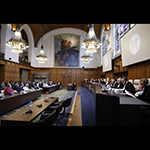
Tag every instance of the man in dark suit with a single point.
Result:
(119, 84)
(16, 87)
(144, 91)
(128, 86)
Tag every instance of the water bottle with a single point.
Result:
(30, 104)
(13, 94)
(44, 96)
(3, 96)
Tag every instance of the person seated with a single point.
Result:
(144, 93)
(112, 83)
(6, 83)
(119, 84)
(3, 85)
(16, 87)
(60, 87)
(109, 82)
(21, 86)
(8, 90)
(29, 83)
(102, 81)
(26, 87)
(73, 85)
(33, 85)
(45, 84)
(128, 86)
(40, 85)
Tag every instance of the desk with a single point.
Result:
(130, 110)
(69, 87)
(50, 89)
(115, 109)
(20, 118)
(10, 103)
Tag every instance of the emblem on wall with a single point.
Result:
(135, 44)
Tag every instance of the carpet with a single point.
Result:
(87, 106)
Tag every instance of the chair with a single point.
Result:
(148, 80)
(58, 109)
(66, 103)
(131, 80)
(136, 84)
(46, 119)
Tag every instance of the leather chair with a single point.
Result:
(136, 84)
(131, 80)
(46, 119)
(58, 109)
(66, 103)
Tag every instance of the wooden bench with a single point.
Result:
(75, 118)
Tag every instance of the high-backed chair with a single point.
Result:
(148, 80)
(131, 80)
(66, 103)
(46, 119)
(136, 84)
(58, 109)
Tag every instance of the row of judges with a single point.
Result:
(124, 86)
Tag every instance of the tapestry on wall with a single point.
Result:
(67, 48)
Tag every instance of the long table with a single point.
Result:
(20, 118)
(50, 89)
(115, 109)
(12, 102)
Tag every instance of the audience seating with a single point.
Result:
(46, 119)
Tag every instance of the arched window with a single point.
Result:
(119, 31)
(104, 44)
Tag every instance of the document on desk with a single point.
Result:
(130, 94)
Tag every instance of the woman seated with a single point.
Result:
(8, 90)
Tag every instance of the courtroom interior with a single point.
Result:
(74, 75)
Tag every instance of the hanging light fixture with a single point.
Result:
(91, 43)
(16, 42)
(41, 58)
(86, 58)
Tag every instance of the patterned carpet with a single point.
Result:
(62, 94)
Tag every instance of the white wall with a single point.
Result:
(48, 42)
(6, 34)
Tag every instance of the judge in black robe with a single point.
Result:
(145, 92)
(128, 86)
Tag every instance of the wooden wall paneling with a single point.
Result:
(2, 73)
(85, 73)
(147, 69)
(140, 71)
(132, 72)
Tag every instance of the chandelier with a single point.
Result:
(41, 58)
(86, 58)
(16, 42)
(91, 43)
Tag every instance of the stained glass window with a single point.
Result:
(104, 44)
(120, 30)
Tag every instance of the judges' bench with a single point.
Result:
(115, 109)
